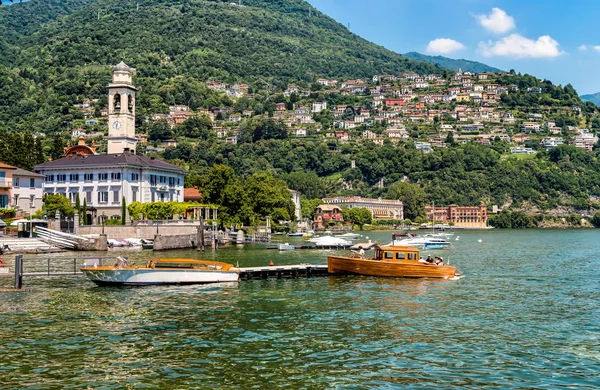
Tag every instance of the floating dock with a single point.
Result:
(284, 271)
(308, 246)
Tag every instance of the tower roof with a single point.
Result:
(122, 67)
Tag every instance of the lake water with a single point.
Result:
(526, 315)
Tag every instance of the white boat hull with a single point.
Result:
(144, 276)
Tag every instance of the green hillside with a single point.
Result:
(61, 51)
(449, 63)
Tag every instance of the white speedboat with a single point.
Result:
(161, 271)
(425, 242)
(330, 242)
(286, 247)
(349, 236)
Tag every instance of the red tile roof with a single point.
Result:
(191, 194)
(6, 166)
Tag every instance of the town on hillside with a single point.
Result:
(430, 110)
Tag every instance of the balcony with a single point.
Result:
(5, 183)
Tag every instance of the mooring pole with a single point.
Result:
(18, 271)
(202, 233)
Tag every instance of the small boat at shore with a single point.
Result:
(286, 247)
(161, 271)
(147, 244)
(390, 261)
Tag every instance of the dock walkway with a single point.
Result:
(287, 271)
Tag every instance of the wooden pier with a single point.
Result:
(71, 267)
(283, 271)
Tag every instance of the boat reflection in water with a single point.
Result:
(162, 271)
(391, 261)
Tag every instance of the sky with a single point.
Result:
(550, 39)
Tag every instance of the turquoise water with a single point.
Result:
(527, 315)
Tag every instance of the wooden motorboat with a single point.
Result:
(161, 271)
(390, 261)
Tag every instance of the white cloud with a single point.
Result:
(596, 48)
(444, 46)
(583, 48)
(518, 46)
(497, 21)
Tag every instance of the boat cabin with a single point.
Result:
(396, 253)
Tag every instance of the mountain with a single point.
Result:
(594, 98)
(449, 63)
(201, 38)
(58, 52)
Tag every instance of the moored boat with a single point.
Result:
(162, 271)
(425, 242)
(286, 247)
(389, 261)
(147, 244)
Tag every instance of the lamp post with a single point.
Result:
(156, 219)
(31, 206)
(103, 222)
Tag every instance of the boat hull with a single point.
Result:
(146, 276)
(409, 269)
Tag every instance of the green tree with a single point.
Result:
(78, 207)
(84, 220)
(307, 183)
(263, 128)
(309, 206)
(199, 127)
(123, 210)
(160, 130)
(596, 219)
(53, 202)
(269, 196)
(413, 198)
(58, 148)
(357, 216)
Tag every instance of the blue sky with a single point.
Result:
(551, 39)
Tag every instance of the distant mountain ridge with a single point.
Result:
(592, 97)
(449, 63)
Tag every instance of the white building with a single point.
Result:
(319, 106)
(379, 208)
(104, 179)
(27, 191)
(297, 206)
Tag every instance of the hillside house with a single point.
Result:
(530, 126)
(551, 142)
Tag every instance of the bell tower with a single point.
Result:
(121, 110)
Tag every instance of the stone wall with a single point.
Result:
(93, 244)
(142, 231)
(180, 241)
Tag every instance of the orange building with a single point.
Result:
(325, 213)
(461, 216)
(6, 177)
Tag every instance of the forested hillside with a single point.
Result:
(60, 52)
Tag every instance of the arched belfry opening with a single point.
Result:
(130, 104)
(117, 103)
